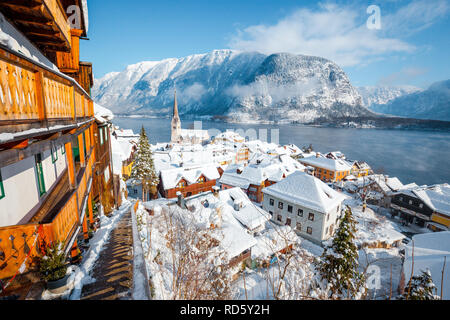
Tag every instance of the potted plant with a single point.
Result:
(53, 267)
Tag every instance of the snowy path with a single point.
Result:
(83, 276)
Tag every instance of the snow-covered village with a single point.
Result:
(91, 209)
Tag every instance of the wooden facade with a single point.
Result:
(46, 111)
(187, 189)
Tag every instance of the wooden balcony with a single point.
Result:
(58, 220)
(42, 21)
(32, 96)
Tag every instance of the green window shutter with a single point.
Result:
(75, 150)
(54, 152)
(2, 189)
(84, 145)
(40, 174)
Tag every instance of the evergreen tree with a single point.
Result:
(338, 265)
(420, 288)
(143, 170)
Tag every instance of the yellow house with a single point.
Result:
(126, 169)
(328, 169)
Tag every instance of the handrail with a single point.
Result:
(32, 92)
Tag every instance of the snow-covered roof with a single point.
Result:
(437, 197)
(329, 164)
(430, 250)
(305, 190)
(274, 240)
(102, 114)
(171, 177)
(261, 168)
(249, 214)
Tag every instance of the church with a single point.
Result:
(185, 136)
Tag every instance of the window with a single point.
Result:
(410, 202)
(279, 218)
(201, 180)
(272, 202)
(280, 205)
(101, 136)
(271, 213)
(288, 222)
(84, 145)
(401, 198)
(290, 209)
(181, 184)
(40, 174)
(2, 189)
(309, 230)
(311, 217)
(421, 205)
(63, 149)
(299, 226)
(300, 213)
(106, 133)
(328, 217)
(54, 152)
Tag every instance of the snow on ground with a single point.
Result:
(431, 252)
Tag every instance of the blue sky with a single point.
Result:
(411, 48)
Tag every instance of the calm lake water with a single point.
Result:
(422, 157)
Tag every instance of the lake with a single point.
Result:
(412, 156)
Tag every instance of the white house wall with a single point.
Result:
(52, 170)
(319, 225)
(21, 191)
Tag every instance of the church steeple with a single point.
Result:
(175, 106)
(176, 122)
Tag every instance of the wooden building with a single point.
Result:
(49, 156)
(189, 181)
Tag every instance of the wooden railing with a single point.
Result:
(30, 92)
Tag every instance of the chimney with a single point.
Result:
(216, 190)
(180, 202)
(237, 204)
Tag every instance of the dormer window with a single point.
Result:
(181, 184)
(201, 180)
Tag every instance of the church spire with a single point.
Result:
(175, 106)
(176, 122)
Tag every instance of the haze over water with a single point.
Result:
(411, 155)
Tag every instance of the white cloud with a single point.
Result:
(193, 92)
(337, 33)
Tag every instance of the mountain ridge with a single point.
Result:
(238, 85)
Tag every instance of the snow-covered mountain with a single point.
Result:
(243, 86)
(433, 103)
(380, 95)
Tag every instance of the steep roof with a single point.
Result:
(171, 177)
(305, 190)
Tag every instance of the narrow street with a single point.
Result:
(113, 270)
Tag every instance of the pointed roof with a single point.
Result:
(175, 106)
